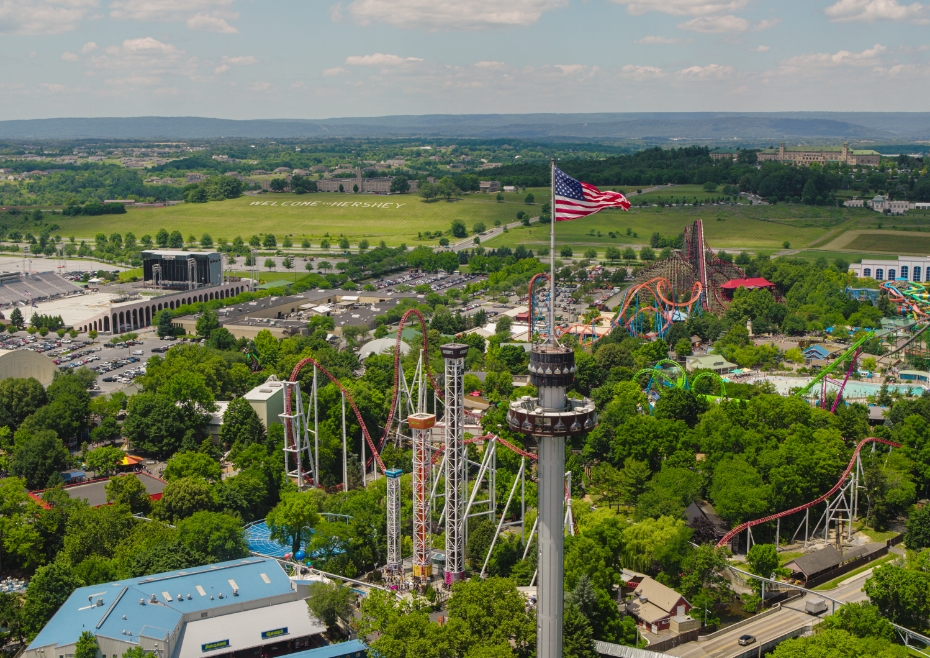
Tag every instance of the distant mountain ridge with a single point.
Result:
(739, 127)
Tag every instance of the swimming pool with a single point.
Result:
(854, 389)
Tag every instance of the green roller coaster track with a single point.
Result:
(837, 363)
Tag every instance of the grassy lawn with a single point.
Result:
(893, 243)
(725, 227)
(836, 581)
(128, 274)
(394, 219)
(849, 257)
(785, 558)
(875, 535)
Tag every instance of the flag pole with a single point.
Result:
(552, 252)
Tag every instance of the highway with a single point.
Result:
(790, 617)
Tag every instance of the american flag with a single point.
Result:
(574, 199)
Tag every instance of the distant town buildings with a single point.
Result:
(807, 155)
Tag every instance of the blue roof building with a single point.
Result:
(213, 610)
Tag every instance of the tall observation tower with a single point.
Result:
(550, 418)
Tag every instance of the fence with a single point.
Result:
(674, 641)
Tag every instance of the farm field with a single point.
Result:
(395, 219)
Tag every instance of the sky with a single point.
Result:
(313, 59)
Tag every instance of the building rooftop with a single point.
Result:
(153, 606)
(267, 390)
(818, 561)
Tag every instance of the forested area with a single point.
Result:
(70, 185)
(749, 455)
(692, 165)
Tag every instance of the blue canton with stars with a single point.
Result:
(567, 186)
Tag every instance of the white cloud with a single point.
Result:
(89, 47)
(259, 86)
(69, 57)
(43, 16)
(491, 66)
(463, 14)
(761, 49)
(569, 69)
(379, 59)
(728, 23)
(682, 7)
(200, 15)
(143, 62)
(642, 72)
(653, 40)
(208, 23)
(709, 72)
(228, 62)
(54, 88)
(811, 62)
(877, 10)
(337, 70)
(162, 10)
(148, 45)
(240, 60)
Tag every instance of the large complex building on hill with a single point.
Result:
(380, 185)
(807, 155)
(239, 609)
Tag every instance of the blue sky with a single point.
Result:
(243, 59)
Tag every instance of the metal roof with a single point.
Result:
(350, 648)
(100, 608)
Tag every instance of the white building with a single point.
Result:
(912, 268)
(881, 204)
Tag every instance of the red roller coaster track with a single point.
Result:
(836, 487)
(375, 450)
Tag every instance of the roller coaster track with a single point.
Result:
(358, 414)
(487, 437)
(851, 352)
(375, 449)
(397, 366)
(908, 342)
(800, 508)
(659, 288)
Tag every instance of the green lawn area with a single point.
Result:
(725, 227)
(689, 192)
(836, 581)
(893, 243)
(394, 219)
(875, 535)
(849, 257)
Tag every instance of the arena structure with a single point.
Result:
(126, 309)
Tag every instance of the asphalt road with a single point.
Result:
(790, 617)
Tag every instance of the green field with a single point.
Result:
(394, 219)
(399, 219)
(755, 228)
(893, 243)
